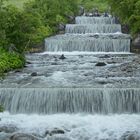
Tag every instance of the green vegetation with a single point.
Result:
(1, 108)
(10, 61)
(23, 27)
(53, 12)
(18, 3)
(102, 5)
(128, 11)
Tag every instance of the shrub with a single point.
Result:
(102, 5)
(10, 61)
(53, 12)
(129, 13)
(21, 29)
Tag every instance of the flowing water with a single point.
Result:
(89, 28)
(71, 100)
(93, 94)
(90, 42)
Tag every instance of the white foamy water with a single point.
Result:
(89, 28)
(95, 20)
(76, 127)
(81, 53)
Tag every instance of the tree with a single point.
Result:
(53, 12)
(128, 11)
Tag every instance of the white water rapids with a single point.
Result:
(76, 127)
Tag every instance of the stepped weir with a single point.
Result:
(71, 100)
(91, 94)
(92, 34)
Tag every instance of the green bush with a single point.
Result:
(128, 11)
(53, 12)
(21, 29)
(10, 61)
(102, 5)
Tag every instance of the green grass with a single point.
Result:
(18, 3)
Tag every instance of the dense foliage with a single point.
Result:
(128, 11)
(102, 5)
(22, 29)
(39, 19)
(10, 61)
(53, 12)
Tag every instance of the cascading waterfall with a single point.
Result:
(71, 100)
(95, 20)
(85, 26)
(89, 28)
(90, 44)
(67, 113)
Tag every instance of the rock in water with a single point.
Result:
(81, 11)
(22, 136)
(105, 56)
(100, 64)
(54, 132)
(106, 14)
(125, 29)
(34, 74)
(4, 136)
(130, 136)
(28, 62)
(62, 57)
(8, 129)
(58, 138)
(61, 27)
(37, 48)
(71, 19)
(136, 43)
(18, 70)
